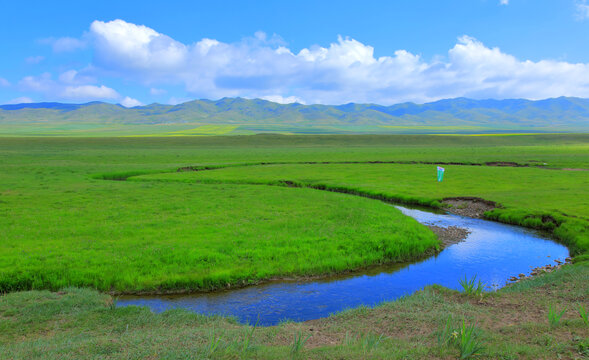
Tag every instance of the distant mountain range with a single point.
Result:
(565, 112)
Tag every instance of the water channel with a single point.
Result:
(492, 251)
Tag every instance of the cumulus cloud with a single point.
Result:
(503, 2)
(263, 66)
(344, 71)
(130, 102)
(4, 82)
(135, 47)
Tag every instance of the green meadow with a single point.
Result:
(114, 214)
(189, 128)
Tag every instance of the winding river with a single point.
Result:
(492, 251)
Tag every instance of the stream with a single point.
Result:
(492, 251)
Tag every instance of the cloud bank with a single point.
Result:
(264, 67)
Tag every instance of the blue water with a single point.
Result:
(492, 251)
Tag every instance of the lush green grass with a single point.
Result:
(566, 191)
(128, 236)
(77, 129)
(534, 197)
(62, 225)
(59, 217)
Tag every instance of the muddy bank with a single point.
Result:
(215, 167)
(539, 271)
(449, 235)
(468, 206)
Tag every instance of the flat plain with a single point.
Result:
(114, 214)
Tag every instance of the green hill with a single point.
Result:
(256, 115)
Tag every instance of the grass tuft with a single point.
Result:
(298, 344)
(554, 316)
(472, 287)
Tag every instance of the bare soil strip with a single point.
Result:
(449, 235)
(469, 206)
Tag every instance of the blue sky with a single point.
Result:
(140, 52)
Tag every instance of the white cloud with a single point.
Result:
(283, 100)
(130, 102)
(582, 9)
(89, 92)
(74, 77)
(344, 71)
(503, 2)
(34, 59)
(135, 47)
(21, 100)
(4, 82)
(66, 88)
(65, 44)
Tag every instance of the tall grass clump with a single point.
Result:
(554, 316)
(583, 314)
(464, 337)
(298, 344)
(370, 342)
(213, 343)
(472, 287)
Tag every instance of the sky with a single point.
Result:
(386, 52)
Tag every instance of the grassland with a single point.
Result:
(77, 129)
(563, 203)
(177, 238)
(62, 225)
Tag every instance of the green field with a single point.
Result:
(90, 129)
(64, 222)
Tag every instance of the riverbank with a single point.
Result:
(512, 323)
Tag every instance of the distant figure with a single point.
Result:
(440, 173)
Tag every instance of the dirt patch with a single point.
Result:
(505, 163)
(449, 235)
(563, 169)
(574, 169)
(469, 206)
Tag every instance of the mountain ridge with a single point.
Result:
(555, 112)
